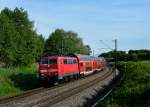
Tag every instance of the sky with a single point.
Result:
(97, 22)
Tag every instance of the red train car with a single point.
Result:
(53, 68)
(58, 68)
(85, 64)
(101, 63)
(94, 61)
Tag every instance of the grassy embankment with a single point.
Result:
(16, 80)
(134, 90)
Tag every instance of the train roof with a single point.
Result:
(84, 57)
(80, 56)
(100, 58)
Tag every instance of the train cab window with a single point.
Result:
(65, 61)
(52, 61)
(44, 61)
(81, 64)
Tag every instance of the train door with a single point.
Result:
(81, 67)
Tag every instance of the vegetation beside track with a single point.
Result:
(134, 90)
(15, 80)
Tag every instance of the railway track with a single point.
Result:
(42, 97)
(25, 94)
(71, 92)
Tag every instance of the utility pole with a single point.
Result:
(93, 52)
(115, 55)
(115, 50)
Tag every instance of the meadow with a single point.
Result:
(15, 80)
(134, 89)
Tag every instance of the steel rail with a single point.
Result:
(33, 91)
(56, 98)
(68, 93)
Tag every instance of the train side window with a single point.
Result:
(65, 61)
(74, 61)
(81, 64)
(70, 61)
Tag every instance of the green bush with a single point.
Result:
(16, 80)
(134, 90)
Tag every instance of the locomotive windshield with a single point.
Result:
(46, 61)
(52, 61)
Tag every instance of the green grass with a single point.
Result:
(134, 90)
(16, 80)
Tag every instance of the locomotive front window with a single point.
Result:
(52, 61)
(44, 61)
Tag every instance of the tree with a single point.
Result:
(39, 46)
(133, 55)
(18, 43)
(139, 54)
(7, 35)
(63, 42)
(121, 55)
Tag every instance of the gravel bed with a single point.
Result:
(84, 98)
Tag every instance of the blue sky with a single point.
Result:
(93, 20)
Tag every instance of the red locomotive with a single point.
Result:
(58, 68)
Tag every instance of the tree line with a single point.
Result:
(20, 44)
(131, 55)
(65, 42)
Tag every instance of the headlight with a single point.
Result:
(43, 70)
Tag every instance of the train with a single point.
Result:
(59, 68)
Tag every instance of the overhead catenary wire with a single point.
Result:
(106, 45)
